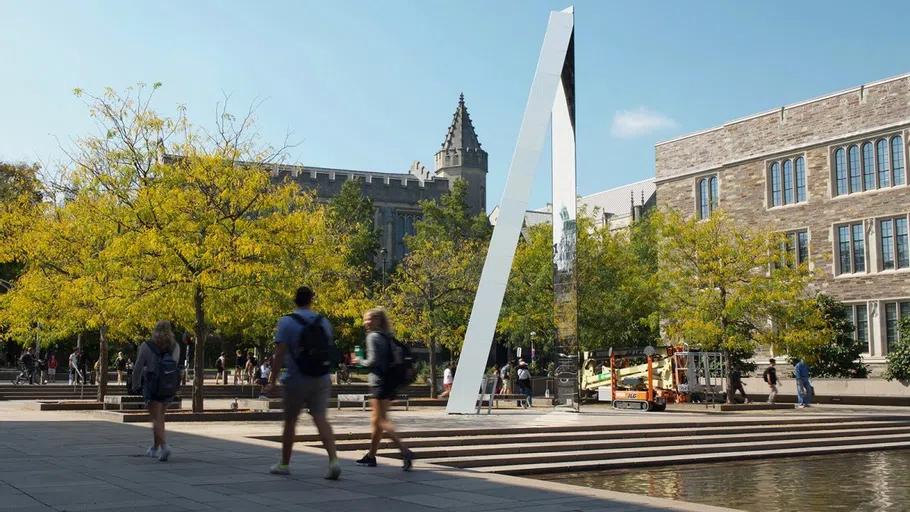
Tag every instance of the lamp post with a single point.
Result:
(384, 256)
(533, 351)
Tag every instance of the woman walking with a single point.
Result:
(147, 373)
(381, 351)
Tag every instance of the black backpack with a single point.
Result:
(315, 347)
(164, 380)
(400, 364)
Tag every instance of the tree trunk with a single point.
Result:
(199, 355)
(433, 388)
(102, 363)
(727, 363)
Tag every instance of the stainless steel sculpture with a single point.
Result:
(552, 92)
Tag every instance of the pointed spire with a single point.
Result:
(461, 133)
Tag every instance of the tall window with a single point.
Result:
(715, 201)
(887, 234)
(775, 185)
(891, 323)
(868, 167)
(788, 182)
(897, 159)
(884, 173)
(840, 171)
(800, 180)
(404, 226)
(856, 178)
(894, 243)
(851, 248)
(802, 247)
(861, 323)
(707, 196)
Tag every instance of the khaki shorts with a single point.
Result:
(313, 394)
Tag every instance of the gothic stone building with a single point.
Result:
(830, 172)
(396, 196)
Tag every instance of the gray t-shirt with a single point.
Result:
(288, 332)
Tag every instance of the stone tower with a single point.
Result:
(462, 157)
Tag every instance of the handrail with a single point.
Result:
(80, 378)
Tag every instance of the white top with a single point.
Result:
(447, 377)
(265, 371)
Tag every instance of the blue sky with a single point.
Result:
(373, 84)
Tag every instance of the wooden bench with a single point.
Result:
(364, 400)
(522, 400)
(132, 403)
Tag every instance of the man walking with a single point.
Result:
(770, 377)
(74, 366)
(803, 386)
(303, 345)
(736, 384)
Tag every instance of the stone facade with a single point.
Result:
(741, 152)
(396, 196)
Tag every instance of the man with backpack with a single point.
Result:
(770, 377)
(303, 345)
(391, 368)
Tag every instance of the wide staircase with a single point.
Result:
(211, 391)
(552, 449)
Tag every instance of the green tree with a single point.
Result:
(434, 286)
(352, 213)
(211, 241)
(528, 303)
(898, 357)
(841, 355)
(720, 291)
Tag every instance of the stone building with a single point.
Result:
(396, 196)
(830, 172)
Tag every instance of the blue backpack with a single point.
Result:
(164, 381)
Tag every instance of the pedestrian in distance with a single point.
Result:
(524, 380)
(74, 366)
(448, 377)
(803, 386)
(736, 384)
(770, 378)
(389, 362)
(52, 368)
(158, 374)
(120, 363)
(505, 375)
(220, 366)
(238, 368)
(303, 346)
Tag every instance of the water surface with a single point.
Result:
(873, 481)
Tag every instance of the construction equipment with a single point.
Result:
(647, 379)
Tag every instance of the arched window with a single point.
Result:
(715, 200)
(703, 206)
(868, 167)
(856, 178)
(884, 172)
(800, 180)
(788, 182)
(775, 184)
(399, 236)
(840, 171)
(897, 159)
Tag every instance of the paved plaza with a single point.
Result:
(74, 461)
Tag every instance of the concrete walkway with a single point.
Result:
(72, 461)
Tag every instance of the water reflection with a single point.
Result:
(873, 481)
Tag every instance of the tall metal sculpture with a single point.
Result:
(552, 93)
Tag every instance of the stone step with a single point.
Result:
(670, 460)
(495, 434)
(532, 436)
(663, 451)
(434, 452)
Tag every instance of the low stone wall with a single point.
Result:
(837, 387)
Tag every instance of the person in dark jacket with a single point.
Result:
(736, 383)
(770, 377)
(380, 351)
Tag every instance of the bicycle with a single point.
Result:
(25, 375)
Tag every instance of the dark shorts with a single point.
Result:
(147, 394)
(313, 394)
(383, 392)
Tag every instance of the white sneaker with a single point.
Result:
(152, 452)
(280, 469)
(800, 406)
(165, 453)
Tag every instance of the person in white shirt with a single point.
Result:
(524, 380)
(448, 377)
(74, 365)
